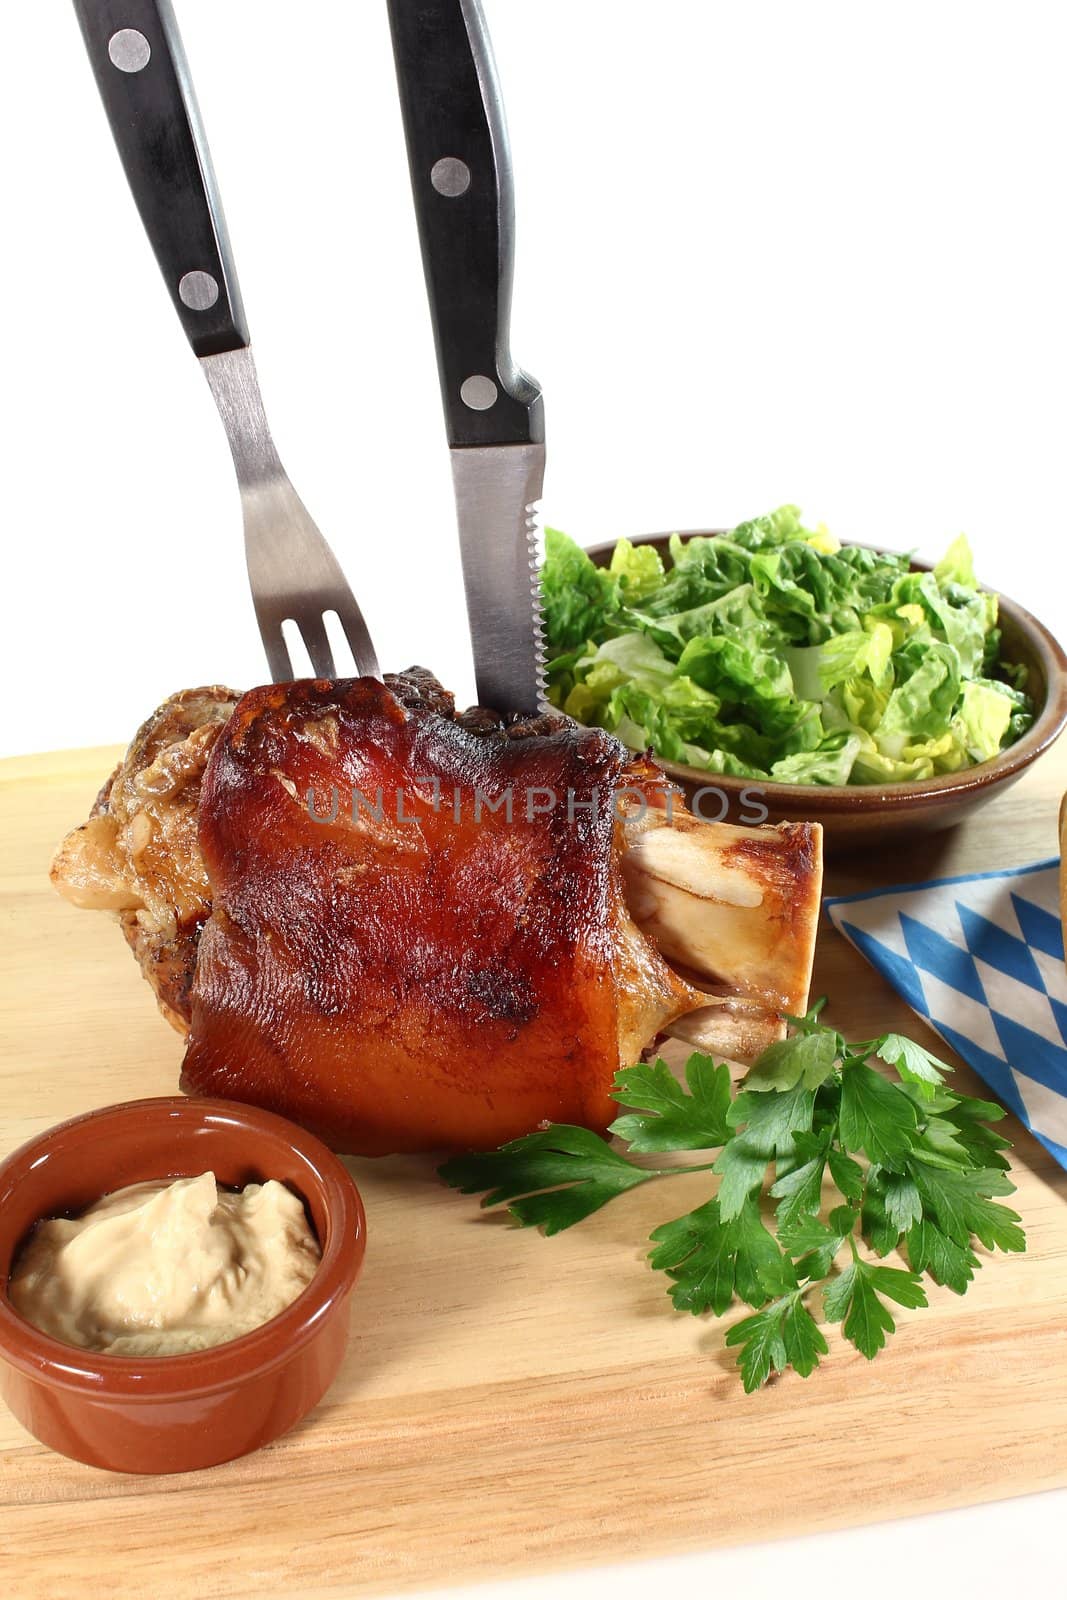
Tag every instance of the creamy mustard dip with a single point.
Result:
(161, 1269)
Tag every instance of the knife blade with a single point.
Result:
(461, 182)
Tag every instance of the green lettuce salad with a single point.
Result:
(774, 652)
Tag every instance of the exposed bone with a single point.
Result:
(737, 906)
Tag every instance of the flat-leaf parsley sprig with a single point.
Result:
(825, 1165)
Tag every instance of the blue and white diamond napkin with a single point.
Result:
(981, 958)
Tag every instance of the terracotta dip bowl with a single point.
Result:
(867, 816)
(176, 1413)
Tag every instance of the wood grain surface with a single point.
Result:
(511, 1403)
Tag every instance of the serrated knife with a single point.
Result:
(462, 185)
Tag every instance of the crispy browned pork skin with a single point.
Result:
(139, 852)
(411, 930)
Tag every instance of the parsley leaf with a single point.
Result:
(914, 1064)
(762, 1344)
(523, 1170)
(762, 1269)
(961, 1204)
(847, 1175)
(876, 1116)
(854, 1300)
(804, 1340)
(813, 1244)
(939, 1144)
(784, 1334)
(799, 1187)
(807, 1058)
(984, 1146)
(769, 1122)
(742, 1167)
(891, 1204)
(712, 1258)
(695, 1250)
(930, 1250)
(674, 1119)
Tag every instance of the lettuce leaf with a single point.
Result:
(957, 564)
(830, 763)
(984, 719)
(578, 598)
(638, 568)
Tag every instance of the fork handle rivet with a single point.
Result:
(450, 176)
(479, 393)
(129, 50)
(198, 291)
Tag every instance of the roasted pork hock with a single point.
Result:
(412, 930)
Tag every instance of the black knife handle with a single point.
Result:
(461, 178)
(137, 56)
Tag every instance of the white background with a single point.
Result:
(767, 251)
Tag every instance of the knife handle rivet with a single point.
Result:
(129, 50)
(198, 291)
(450, 176)
(479, 393)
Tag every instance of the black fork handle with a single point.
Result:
(461, 180)
(141, 71)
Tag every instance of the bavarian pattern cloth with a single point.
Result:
(981, 958)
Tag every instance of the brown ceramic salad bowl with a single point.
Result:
(867, 816)
(176, 1413)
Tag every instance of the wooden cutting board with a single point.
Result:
(511, 1403)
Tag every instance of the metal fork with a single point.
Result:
(293, 572)
(143, 77)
